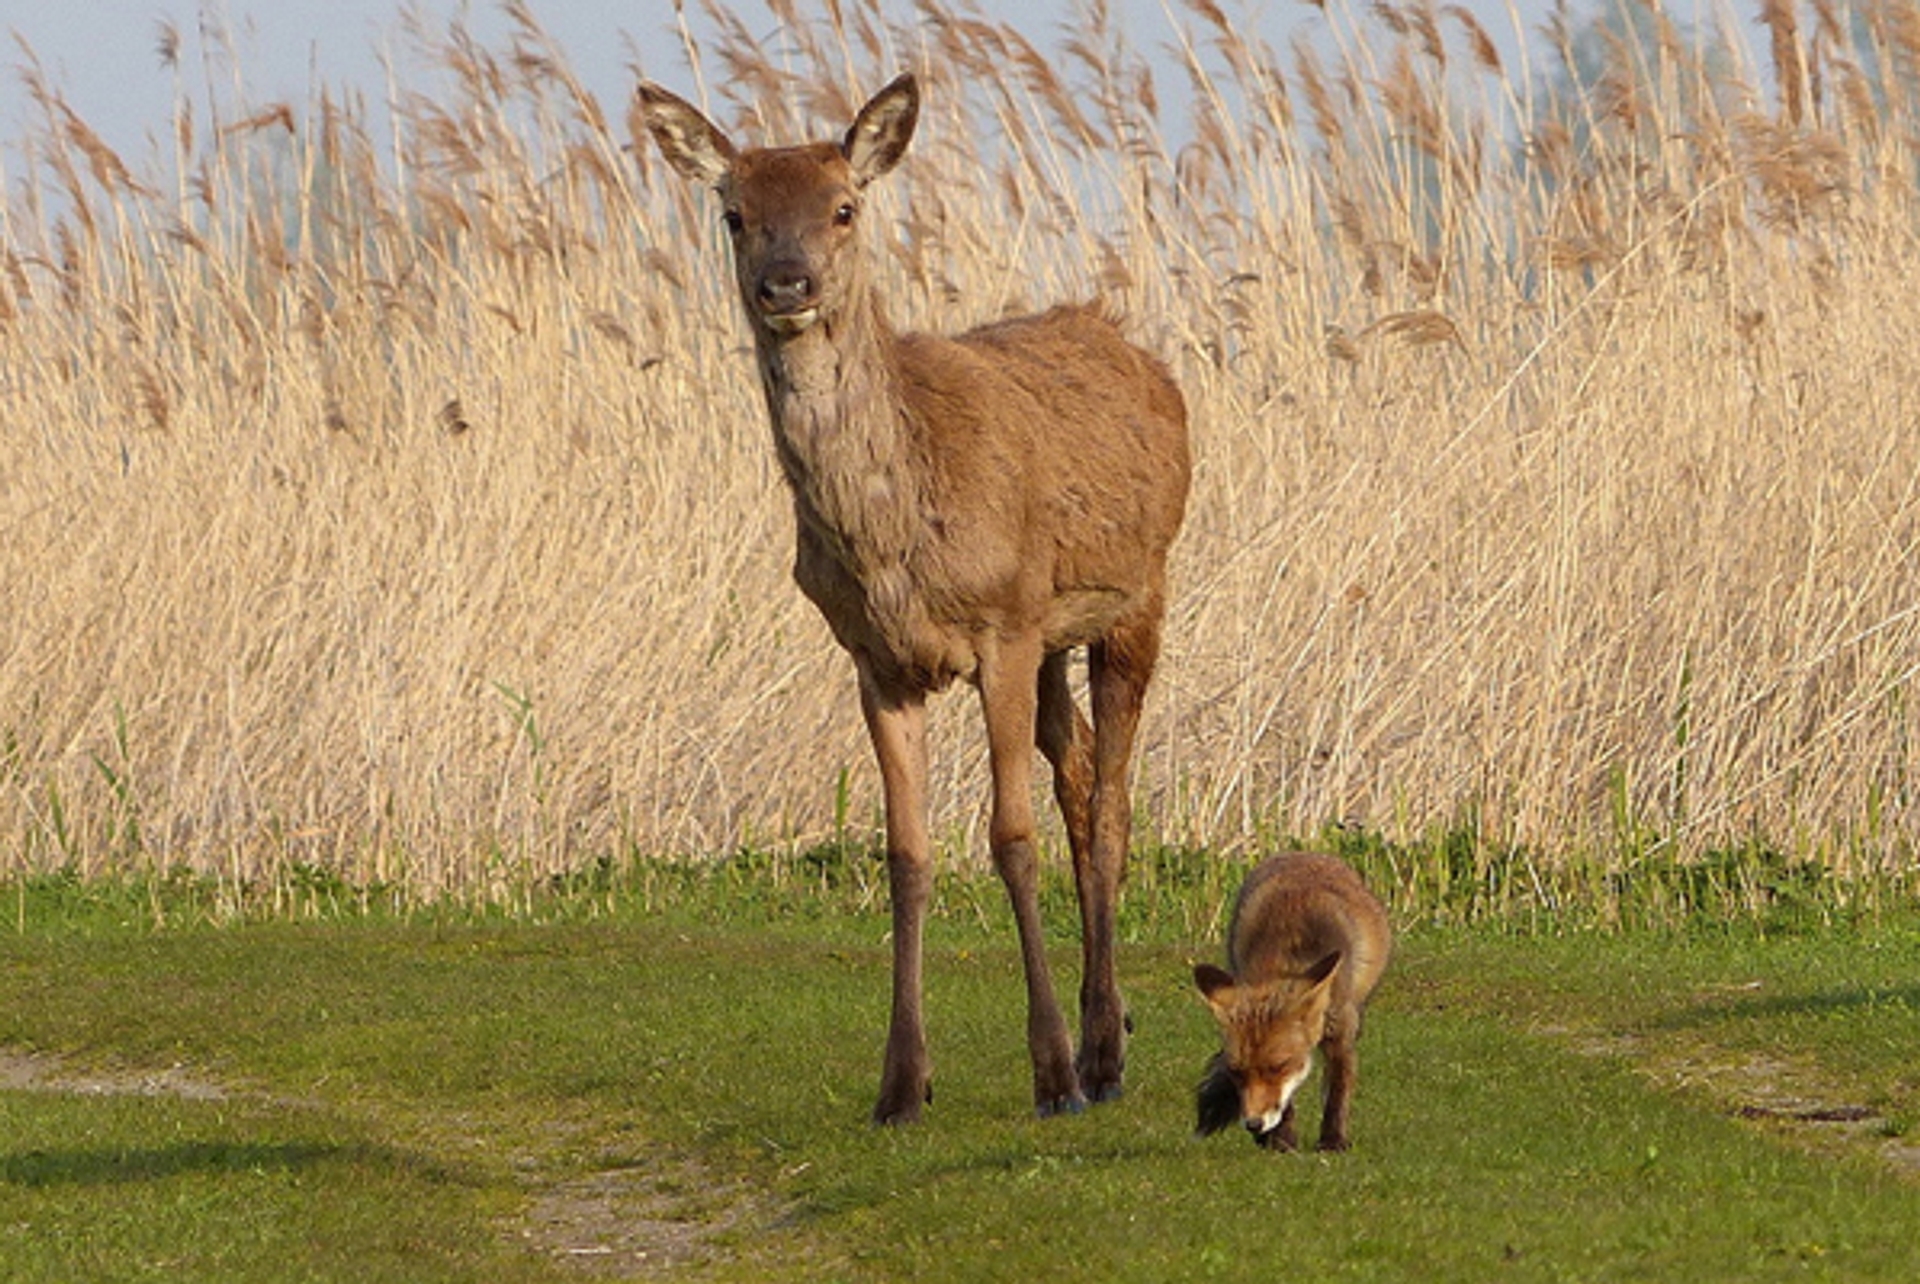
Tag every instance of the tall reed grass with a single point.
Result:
(398, 502)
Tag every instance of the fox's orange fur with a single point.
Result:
(1307, 944)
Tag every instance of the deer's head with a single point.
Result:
(791, 212)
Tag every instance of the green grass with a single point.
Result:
(686, 1067)
(116, 1187)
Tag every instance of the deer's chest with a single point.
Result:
(882, 612)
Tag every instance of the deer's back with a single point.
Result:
(1052, 441)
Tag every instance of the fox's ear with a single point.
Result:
(1214, 982)
(1319, 995)
(1319, 972)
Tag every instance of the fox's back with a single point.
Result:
(1297, 908)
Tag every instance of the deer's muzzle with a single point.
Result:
(788, 297)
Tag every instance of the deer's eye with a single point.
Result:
(843, 217)
(735, 224)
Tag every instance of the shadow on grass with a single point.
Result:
(110, 1166)
(1852, 998)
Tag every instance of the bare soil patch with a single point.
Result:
(1791, 1097)
(22, 1071)
(643, 1222)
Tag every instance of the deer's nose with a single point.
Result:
(786, 287)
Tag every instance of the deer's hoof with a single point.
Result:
(1071, 1104)
(1101, 1076)
(902, 1106)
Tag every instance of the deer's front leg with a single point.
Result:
(897, 723)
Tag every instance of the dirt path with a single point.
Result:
(648, 1219)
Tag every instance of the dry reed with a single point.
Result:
(408, 513)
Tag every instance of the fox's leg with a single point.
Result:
(1009, 692)
(1342, 1049)
(1119, 666)
(897, 723)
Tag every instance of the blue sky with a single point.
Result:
(101, 54)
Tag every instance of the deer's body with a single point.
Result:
(968, 507)
(986, 500)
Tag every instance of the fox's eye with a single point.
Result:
(735, 224)
(843, 217)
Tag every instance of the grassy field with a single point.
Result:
(676, 1081)
(394, 502)
(398, 640)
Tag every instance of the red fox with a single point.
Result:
(1307, 944)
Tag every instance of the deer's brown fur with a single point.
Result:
(967, 507)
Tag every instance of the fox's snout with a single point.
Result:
(1266, 1102)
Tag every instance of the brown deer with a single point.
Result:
(968, 507)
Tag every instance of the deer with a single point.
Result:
(971, 508)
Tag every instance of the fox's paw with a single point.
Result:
(1279, 1139)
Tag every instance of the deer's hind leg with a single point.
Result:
(1120, 665)
(1009, 693)
(1067, 742)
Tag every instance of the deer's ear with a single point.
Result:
(692, 144)
(879, 135)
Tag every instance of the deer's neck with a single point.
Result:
(840, 429)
